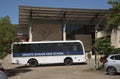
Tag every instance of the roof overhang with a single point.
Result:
(69, 15)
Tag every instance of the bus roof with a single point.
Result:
(47, 42)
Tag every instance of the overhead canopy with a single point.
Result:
(86, 16)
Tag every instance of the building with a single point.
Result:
(42, 23)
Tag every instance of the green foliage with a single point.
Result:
(113, 19)
(5, 20)
(7, 35)
(116, 51)
(103, 46)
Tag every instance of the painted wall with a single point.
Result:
(102, 33)
(115, 38)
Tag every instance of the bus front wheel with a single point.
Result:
(68, 61)
(33, 62)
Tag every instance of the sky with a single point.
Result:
(11, 7)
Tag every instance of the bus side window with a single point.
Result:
(74, 48)
(66, 48)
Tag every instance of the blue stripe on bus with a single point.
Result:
(21, 54)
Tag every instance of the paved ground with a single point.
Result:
(77, 71)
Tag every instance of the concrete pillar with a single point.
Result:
(64, 32)
(30, 27)
(30, 34)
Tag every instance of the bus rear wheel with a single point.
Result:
(68, 61)
(33, 62)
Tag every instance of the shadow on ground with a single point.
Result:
(17, 71)
(24, 69)
(51, 65)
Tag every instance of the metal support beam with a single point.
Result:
(95, 17)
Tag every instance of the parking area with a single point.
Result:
(56, 71)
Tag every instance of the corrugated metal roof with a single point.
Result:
(88, 16)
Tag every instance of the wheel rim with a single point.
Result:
(33, 63)
(68, 61)
(111, 70)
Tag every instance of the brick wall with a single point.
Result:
(86, 39)
(47, 31)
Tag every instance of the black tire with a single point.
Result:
(68, 61)
(111, 70)
(33, 62)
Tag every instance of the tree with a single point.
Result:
(113, 19)
(103, 46)
(7, 35)
(5, 20)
